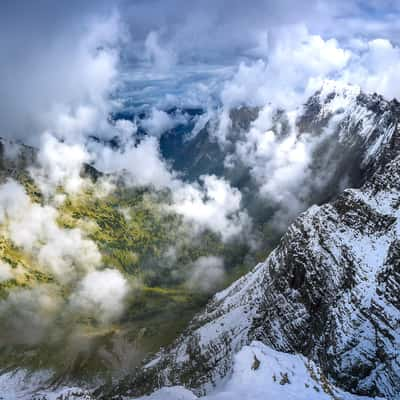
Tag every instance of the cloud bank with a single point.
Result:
(67, 257)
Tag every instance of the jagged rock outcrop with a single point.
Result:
(363, 123)
(330, 290)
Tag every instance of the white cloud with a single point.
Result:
(143, 162)
(207, 274)
(281, 162)
(215, 205)
(13, 199)
(294, 57)
(162, 57)
(126, 130)
(84, 105)
(278, 164)
(298, 64)
(66, 253)
(375, 68)
(101, 293)
(26, 315)
(73, 77)
(60, 164)
(5, 271)
(158, 122)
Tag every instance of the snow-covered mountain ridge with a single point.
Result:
(330, 290)
(260, 372)
(365, 121)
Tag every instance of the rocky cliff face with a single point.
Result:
(327, 297)
(330, 290)
(365, 124)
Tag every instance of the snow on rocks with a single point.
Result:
(260, 373)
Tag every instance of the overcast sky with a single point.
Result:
(46, 46)
(207, 30)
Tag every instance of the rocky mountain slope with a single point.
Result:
(330, 290)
